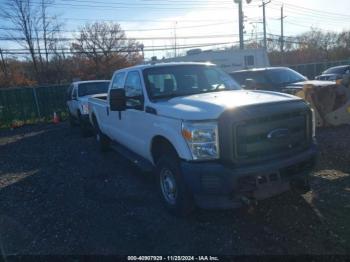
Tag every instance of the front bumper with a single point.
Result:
(215, 185)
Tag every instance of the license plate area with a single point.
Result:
(268, 185)
(269, 179)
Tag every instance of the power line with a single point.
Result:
(68, 51)
(132, 38)
(125, 6)
(127, 30)
(313, 10)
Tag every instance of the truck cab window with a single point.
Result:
(118, 80)
(133, 89)
(75, 93)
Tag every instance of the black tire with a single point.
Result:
(182, 203)
(102, 140)
(71, 120)
(84, 129)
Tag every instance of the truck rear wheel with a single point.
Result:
(102, 140)
(172, 188)
(84, 129)
(71, 120)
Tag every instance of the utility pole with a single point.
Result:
(264, 20)
(240, 19)
(282, 34)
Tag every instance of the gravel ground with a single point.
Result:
(59, 195)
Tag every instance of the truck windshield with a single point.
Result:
(180, 80)
(284, 76)
(92, 88)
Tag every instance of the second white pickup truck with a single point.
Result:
(209, 142)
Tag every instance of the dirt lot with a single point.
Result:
(59, 195)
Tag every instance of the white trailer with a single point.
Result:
(229, 60)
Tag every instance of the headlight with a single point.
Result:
(202, 139)
(85, 109)
(313, 122)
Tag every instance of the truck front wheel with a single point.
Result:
(172, 188)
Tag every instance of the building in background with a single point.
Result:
(229, 60)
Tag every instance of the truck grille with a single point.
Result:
(259, 135)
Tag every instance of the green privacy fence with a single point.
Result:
(313, 69)
(31, 104)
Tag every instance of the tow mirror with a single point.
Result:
(117, 99)
(250, 84)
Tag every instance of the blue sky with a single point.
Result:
(196, 19)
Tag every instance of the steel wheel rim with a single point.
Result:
(168, 186)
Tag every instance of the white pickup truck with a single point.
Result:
(77, 101)
(210, 143)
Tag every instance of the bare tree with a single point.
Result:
(4, 68)
(34, 30)
(107, 46)
(21, 14)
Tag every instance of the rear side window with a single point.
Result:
(69, 91)
(336, 70)
(118, 80)
(93, 88)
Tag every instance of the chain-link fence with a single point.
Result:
(313, 69)
(31, 104)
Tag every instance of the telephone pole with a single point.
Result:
(240, 19)
(282, 34)
(264, 20)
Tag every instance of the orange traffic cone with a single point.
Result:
(56, 119)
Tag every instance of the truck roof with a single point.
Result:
(90, 81)
(160, 64)
(260, 69)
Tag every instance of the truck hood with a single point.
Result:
(211, 105)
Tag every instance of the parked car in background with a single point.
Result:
(334, 73)
(77, 101)
(329, 100)
(279, 79)
(210, 143)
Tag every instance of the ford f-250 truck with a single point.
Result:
(210, 143)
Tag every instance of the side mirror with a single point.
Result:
(117, 99)
(250, 84)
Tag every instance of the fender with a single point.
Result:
(173, 135)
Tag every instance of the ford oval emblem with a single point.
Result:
(278, 134)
